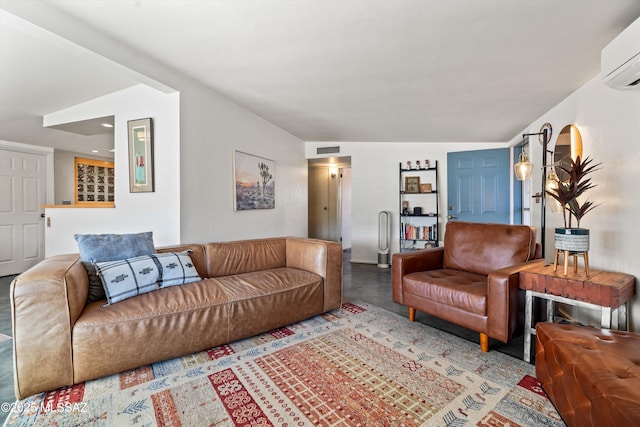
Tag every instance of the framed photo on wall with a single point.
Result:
(254, 182)
(140, 155)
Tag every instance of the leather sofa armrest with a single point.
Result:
(323, 258)
(410, 262)
(46, 301)
(504, 302)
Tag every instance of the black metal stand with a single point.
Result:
(543, 213)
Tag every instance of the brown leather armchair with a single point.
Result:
(472, 281)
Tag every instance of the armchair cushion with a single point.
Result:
(483, 249)
(460, 289)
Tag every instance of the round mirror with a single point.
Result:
(568, 146)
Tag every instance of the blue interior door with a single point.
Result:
(478, 186)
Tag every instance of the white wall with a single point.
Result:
(374, 170)
(211, 129)
(609, 121)
(133, 212)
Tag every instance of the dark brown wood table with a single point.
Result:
(606, 291)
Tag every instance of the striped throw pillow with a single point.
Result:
(127, 278)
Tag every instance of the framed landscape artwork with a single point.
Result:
(140, 155)
(254, 182)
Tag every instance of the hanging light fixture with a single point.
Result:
(551, 186)
(524, 167)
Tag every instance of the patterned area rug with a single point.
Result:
(356, 366)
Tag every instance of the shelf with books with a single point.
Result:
(418, 206)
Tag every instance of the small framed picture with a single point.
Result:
(425, 188)
(140, 155)
(412, 184)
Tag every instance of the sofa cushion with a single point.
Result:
(483, 248)
(453, 288)
(200, 316)
(124, 279)
(110, 247)
(229, 258)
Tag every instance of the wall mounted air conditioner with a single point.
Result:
(620, 59)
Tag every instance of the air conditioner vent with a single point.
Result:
(328, 150)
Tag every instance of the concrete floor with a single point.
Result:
(368, 283)
(6, 356)
(364, 282)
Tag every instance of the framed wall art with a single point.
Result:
(254, 182)
(140, 155)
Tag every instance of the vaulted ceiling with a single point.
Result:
(327, 70)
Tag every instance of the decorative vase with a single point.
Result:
(572, 239)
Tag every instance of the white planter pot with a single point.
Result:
(572, 239)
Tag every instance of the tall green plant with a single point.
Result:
(569, 191)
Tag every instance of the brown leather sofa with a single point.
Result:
(472, 280)
(248, 287)
(591, 375)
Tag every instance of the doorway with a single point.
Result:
(478, 185)
(329, 189)
(24, 172)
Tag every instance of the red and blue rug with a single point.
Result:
(356, 366)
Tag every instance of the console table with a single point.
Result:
(606, 291)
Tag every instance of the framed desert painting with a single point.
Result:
(140, 155)
(254, 182)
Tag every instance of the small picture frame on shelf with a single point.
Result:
(412, 184)
(426, 188)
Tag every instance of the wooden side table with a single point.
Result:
(604, 290)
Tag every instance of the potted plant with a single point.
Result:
(567, 194)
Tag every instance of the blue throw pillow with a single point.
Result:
(134, 276)
(110, 247)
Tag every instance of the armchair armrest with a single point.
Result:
(504, 302)
(411, 262)
(46, 301)
(323, 258)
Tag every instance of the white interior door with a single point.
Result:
(345, 206)
(319, 203)
(22, 193)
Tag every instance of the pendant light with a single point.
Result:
(524, 167)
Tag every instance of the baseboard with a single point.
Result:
(356, 261)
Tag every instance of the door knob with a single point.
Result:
(452, 217)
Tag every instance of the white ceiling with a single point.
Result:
(40, 74)
(330, 70)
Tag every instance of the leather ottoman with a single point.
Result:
(591, 375)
